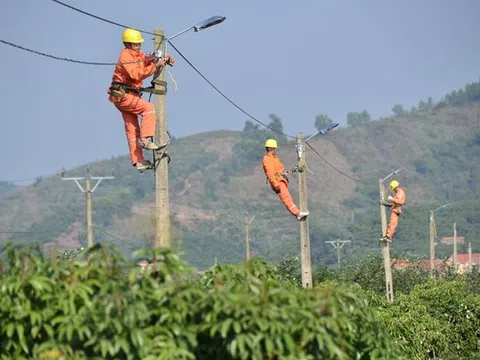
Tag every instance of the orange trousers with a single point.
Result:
(131, 106)
(287, 198)
(393, 223)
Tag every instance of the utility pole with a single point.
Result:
(162, 201)
(455, 246)
(432, 244)
(304, 231)
(88, 198)
(386, 245)
(469, 257)
(338, 245)
(247, 245)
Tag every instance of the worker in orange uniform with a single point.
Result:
(274, 171)
(395, 203)
(132, 68)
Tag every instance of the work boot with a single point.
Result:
(303, 215)
(147, 144)
(385, 238)
(144, 165)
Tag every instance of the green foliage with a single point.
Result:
(358, 118)
(322, 121)
(470, 93)
(437, 319)
(98, 306)
(398, 110)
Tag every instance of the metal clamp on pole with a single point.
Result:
(300, 149)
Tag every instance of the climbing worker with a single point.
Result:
(395, 203)
(275, 173)
(132, 68)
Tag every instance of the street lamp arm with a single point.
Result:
(211, 21)
(180, 33)
(394, 173)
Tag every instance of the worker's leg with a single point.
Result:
(136, 105)
(132, 130)
(392, 225)
(287, 199)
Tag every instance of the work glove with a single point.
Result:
(277, 189)
(390, 197)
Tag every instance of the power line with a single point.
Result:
(110, 235)
(100, 18)
(68, 59)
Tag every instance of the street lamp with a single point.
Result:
(433, 233)
(212, 21)
(323, 131)
(395, 172)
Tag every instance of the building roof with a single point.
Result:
(449, 240)
(463, 258)
(421, 263)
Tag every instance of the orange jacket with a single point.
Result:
(274, 169)
(133, 74)
(398, 200)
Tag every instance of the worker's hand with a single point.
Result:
(164, 61)
(169, 59)
(277, 189)
(390, 197)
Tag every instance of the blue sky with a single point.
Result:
(294, 59)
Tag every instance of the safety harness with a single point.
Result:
(118, 90)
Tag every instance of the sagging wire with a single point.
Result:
(68, 59)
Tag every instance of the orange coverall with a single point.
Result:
(274, 169)
(132, 105)
(395, 211)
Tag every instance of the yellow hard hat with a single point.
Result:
(271, 143)
(394, 184)
(132, 36)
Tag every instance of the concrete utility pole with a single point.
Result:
(247, 222)
(433, 234)
(386, 245)
(432, 244)
(247, 244)
(162, 201)
(304, 231)
(455, 246)
(88, 198)
(469, 257)
(338, 245)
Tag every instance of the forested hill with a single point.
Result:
(216, 177)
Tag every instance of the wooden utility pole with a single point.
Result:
(469, 257)
(88, 198)
(386, 245)
(304, 231)
(455, 246)
(247, 242)
(162, 201)
(338, 245)
(432, 244)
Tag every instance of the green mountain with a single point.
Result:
(216, 177)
